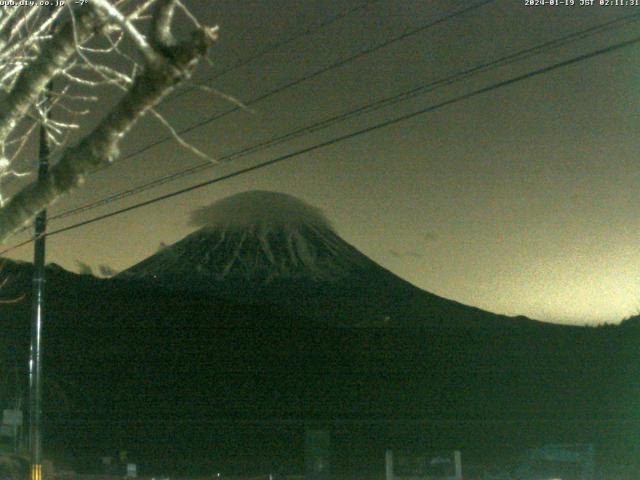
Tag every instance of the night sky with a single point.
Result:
(521, 200)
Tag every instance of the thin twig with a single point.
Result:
(174, 133)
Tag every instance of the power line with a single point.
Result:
(387, 123)
(348, 421)
(275, 46)
(338, 64)
(321, 71)
(385, 102)
(270, 48)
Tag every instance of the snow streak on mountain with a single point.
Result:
(261, 247)
(257, 236)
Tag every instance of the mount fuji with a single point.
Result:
(261, 246)
(266, 313)
(258, 237)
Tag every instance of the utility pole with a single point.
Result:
(38, 304)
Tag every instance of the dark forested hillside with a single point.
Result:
(160, 371)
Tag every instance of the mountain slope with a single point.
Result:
(135, 363)
(256, 236)
(262, 246)
(129, 365)
(234, 339)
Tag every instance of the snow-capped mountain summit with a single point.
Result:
(256, 236)
(262, 247)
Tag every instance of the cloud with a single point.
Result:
(83, 268)
(410, 253)
(427, 237)
(430, 237)
(258, 207)
(106, 271)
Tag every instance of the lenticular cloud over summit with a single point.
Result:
(261, 246)
(258, 236)
(259, 207)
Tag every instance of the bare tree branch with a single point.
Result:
(161, 34)
(149, 54)
(171, 63)
(33, 80)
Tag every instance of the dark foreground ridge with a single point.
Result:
(193, 364)
(263, 247)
